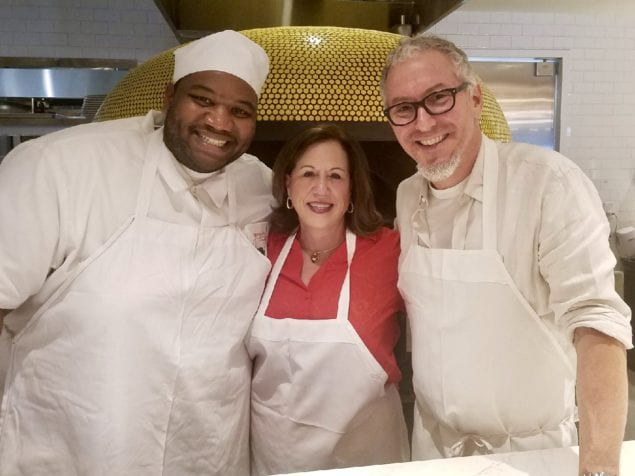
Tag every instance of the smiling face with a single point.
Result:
(445, 146)
(319, 187)
(210, 119)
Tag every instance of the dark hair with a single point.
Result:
(365, 219)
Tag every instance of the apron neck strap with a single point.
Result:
(490, 191)
(488, 208)
(232, 199)
(275, 272)
(345, 293)
(155, 147)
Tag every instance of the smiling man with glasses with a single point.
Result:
(507, 277)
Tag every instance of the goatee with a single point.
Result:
(442, 171)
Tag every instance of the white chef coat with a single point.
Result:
(79, 198)
(64, 206)
(552, 235)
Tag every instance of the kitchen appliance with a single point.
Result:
(41, 95)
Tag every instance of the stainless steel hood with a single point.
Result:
(41, 95)
(191, 19)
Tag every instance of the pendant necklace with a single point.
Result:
(314, 256)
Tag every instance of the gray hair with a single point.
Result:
(412, 46)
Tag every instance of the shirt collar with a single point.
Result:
(474, 185)
(180, 179)
(216, 186)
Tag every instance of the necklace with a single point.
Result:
(315, 255)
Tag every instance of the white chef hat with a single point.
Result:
(226, 51)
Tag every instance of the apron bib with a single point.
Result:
(319, 397)
(488, 375)
(136, 364)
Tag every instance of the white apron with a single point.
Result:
(319, 398)
(137, 365)
(488, 375)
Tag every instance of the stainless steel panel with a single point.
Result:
(527, 90)
(57, 82)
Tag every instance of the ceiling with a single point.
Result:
(194, 18)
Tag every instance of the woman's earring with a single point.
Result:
(289, 204)
(351, 208)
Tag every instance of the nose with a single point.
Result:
(321, 184)
(219, 118)
(424, 121)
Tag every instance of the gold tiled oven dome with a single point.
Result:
(323, 73)
(317, 74)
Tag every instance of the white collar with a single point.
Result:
(179, 178)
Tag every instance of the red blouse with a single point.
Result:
(374, 299)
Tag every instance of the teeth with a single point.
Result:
(434, 140)
(212, 141)
(320, 206)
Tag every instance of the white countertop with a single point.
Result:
(552, 462)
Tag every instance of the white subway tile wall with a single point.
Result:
(116, 29)
(598, 93)
(598, 51)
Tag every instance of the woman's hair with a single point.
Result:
(365, 219)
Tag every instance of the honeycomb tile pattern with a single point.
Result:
(323, 74)
(317, 74)
(140, 90)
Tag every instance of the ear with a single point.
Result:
(477, 98)
(168, 96)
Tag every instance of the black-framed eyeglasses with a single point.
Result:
(435, 103)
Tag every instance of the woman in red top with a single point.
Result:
(324, 388)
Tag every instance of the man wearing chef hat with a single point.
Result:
(507, 276)
(130, 273)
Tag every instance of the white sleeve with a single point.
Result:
(30, 229)
(576, 260)
(252, 180)
(406, 203)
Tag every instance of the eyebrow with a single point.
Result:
(307, 166)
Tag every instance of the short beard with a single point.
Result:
(440, 172)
